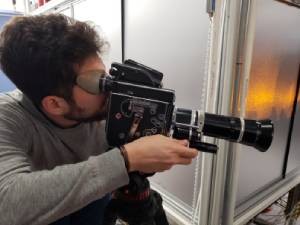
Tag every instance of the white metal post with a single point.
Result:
(223, 89)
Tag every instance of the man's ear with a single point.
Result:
(55, 105)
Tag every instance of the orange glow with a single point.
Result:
(271, 93)
(264, 101)
(275, 63)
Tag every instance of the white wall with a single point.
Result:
(171, 36)
(107, 16)
(7, 5)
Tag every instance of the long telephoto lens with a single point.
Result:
(255, 133)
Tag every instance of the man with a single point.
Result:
(54, 167)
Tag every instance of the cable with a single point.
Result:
(196, 193)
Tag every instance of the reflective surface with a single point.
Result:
(272, 86)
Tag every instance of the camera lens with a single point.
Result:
(255, 133)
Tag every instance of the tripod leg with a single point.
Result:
(160, 217)
(111, 215)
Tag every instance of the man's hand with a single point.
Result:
(158, 153)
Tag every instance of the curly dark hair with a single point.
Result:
(38, 53)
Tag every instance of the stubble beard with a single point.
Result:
(78, 114)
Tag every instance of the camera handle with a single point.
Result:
(204, 147)
(189, 132)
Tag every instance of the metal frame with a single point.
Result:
(295, 3)
(222, 91)
(244, 13)
(240, 86)
(265, 198)
(54, 5)
(9, 13)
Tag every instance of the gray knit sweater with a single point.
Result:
(47, 172)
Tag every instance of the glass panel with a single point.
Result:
(272, 86)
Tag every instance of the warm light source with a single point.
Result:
(271, 92)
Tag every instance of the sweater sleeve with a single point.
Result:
(42, 197)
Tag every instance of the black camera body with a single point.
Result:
(139, 106)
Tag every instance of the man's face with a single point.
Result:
(85, 106)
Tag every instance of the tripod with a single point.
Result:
(136, 204)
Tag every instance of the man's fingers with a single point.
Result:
(188, 152)
(181, 142)
(184, 161)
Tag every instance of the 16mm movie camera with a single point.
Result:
(139, 106)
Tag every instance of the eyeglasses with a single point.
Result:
(91, 81)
